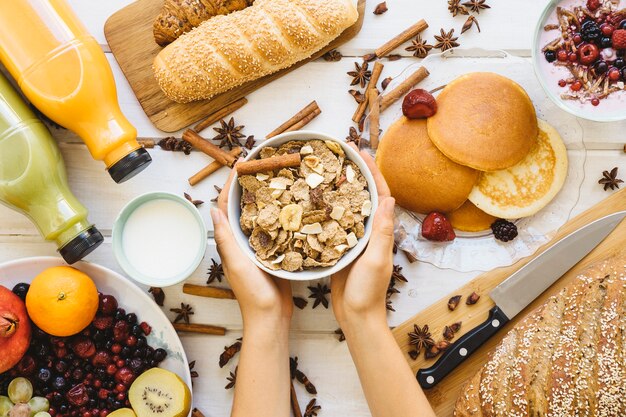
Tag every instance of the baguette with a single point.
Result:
(229, 50)
(180, 16)
(564, 359)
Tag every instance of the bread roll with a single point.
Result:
(227, 51)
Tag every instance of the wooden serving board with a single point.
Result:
(129, 34)
(437, 316)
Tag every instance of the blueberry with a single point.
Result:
(44, 375)
(550, 56)
(21, 289)
(622, 24)
(619, 62)
(623, 73)
(131, 318)
(59, 383)
(606, 42)
(159, 355)
(601, 67)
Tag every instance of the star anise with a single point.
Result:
(183, 313)
(232, 379)
(332, 56)
(319, 295)
(340, 336)
(311, 409)
(216, 272)
(361, 75)
(397, 275)
(250, 142)
(455, 7)
(471, 21)
(391, 290)
(229, 352)
(421, 338)
(219, 191)
(196, 203)
(446, 40)
(476, 5)
(158, 295)
(229, 134)
(610, 180)
(419, 47)
(194, 374)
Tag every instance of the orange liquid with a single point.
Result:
(62, 70)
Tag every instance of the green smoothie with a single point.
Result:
(33, 179)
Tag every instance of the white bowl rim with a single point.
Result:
(120, 256)
(535, 55)
(315, 273)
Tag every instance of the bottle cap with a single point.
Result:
(82, 245)
(130, 165)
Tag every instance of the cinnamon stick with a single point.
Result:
(295, 406)
(407, 34)
(374, 117)
(199, 328)
(211, 168)
(220, 114)
(305, 121)
(403, 88)
(625, 148)
(210, 292)
(268, 164)
(360, 111)
(310, 108)
(208, 148)
(196, 413)
(147, 143)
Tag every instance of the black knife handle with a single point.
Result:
(462, 349)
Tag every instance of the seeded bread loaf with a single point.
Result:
(229, 50)
(565, 359)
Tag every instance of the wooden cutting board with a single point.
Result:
(437, 316)
(129, 34)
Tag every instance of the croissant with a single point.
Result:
(229, 50)
(565, 359)
(180, 16)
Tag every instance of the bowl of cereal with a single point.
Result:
(301, 205)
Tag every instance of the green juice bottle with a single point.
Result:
(33, 179)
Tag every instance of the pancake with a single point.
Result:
(469, 218)
(527, 187)
(484, 121)
(420, 177)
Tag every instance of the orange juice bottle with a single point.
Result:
(62, 70)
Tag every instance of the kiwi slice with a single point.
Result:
(160, 393)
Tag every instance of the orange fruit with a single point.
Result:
(62, 301)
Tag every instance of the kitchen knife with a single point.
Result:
(519, 290)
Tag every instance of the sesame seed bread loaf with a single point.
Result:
(567, 358)
(229, 50)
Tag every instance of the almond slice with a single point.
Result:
(298, 235)
(350, 175)
(352, 239)
(279, 259)
(337, 213)
(341, 248)
(312, 229)
(278, 183)
(313, 180)
(262, 177)
(306, 150)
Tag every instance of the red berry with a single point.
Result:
(103, 322)
(121, 396)
(595, 101)
(125, 376)
(111, 369)
(104, 413)
(619, 39)
(614, 74)
(108, 304)
(577, 39)
(593, 4)
(101, 358)
(103, 393)
(588, 54)
(572, 57)
(131, 341)
(562, 83)
(116, 348)
(607, 29)
(120, 388)
(145, 327)
(120, 331)
(120, 363)
(561, 55)
(576, 85)
(436, 227)
(83, 347)
(77, 395)
(97, 383)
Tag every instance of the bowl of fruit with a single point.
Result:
(579, 56)
(68, 346)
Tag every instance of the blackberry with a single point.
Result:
(20, 290)
(590, 31)
(504, 230)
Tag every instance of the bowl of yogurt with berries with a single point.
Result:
(579, 56)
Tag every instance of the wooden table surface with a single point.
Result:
(508, 25)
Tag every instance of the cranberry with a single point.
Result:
(614, 74)
(103, 393)
(101, 358)
(111, 369)
(120, 396)
(562, 83)
(595, 101)
(97, 383)
(607, 29)
(103, 322)
(52, 411)
(120, 331)
(576, 85)
(87, 414)
(60, 351)
(77, 395)
(116, 348)
(572, 57)
(145, 327)
(125, 376)
(120, 388)
(108, 305)
(577, 39)
(83, 347)
(120, 363)
(561, 55)
(588, 54)
(104, 413)
(131, 341)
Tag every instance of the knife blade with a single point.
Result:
(520, 289)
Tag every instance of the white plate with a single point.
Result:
(480, 251)
(128, 295)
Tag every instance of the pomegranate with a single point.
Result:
(15, 329)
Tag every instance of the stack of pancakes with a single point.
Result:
(483, 155)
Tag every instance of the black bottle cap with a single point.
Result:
(82, 245)
(130, 165)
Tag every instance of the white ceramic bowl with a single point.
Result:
(234, 209)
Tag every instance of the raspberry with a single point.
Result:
(504, 230)
(619, 39)
(593, 4)
(437, 227)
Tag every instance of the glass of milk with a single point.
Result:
(159, 239)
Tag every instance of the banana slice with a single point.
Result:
(290, 217)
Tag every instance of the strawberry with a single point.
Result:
(437, 227)
(619, 39)
(593, 5)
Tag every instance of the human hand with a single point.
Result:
(359, 290)
(261, 296)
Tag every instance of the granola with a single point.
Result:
(309, 216)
